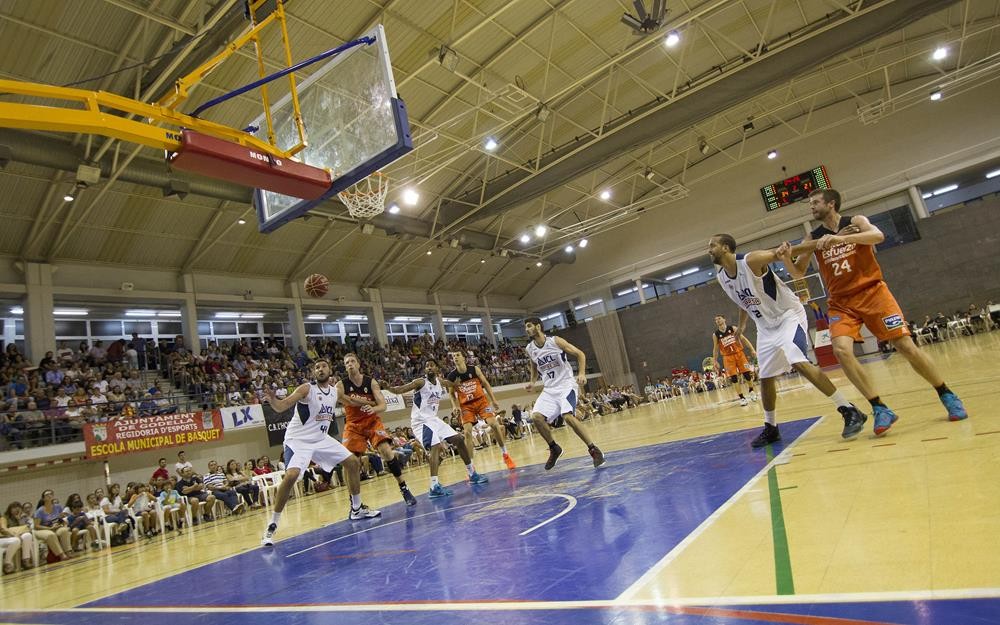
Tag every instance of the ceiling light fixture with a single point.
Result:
(317, 317)
(540, 230)
(491, 144)
(935, 96)
(605, 195)
(940, 53)
(525, 238)
(241, 221)
(538, 264)
(583, 243)
(947, 189)
(568, 249)
(993, 174)
(411, 197)
(772, 154)
(68, 198)
(673, 38)
(394, 209)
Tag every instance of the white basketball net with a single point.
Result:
(366, 198)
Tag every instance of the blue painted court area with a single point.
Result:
(532, 546)
(914, 612)
(479, 545)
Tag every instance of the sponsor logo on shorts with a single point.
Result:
(834, 318)
(892, 322)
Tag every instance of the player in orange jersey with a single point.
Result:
(470, 389)
(844, 248)
(727, 340)
(362, 399)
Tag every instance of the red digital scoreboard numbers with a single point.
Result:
(793, 189)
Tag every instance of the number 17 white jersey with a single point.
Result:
(552, 364)
(766, 298)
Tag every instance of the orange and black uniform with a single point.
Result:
(360, 427)
(857, 293)
(734, 360)
(471, 395)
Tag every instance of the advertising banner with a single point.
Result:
(126, 436)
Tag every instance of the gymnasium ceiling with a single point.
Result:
(620, 112)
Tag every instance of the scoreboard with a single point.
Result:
(791, 190)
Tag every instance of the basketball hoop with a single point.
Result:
(366, 198)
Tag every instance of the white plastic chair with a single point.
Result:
(161, 513)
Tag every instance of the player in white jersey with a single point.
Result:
(307, 439)
(560, 390)
(430, 429)
(782, 329)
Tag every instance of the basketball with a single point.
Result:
(317, 285)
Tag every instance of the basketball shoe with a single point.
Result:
(438, 491)
(956, 411)
(507, 460)
(767, 436)
(268, 539)
(884, 418)
(364, 512)
(477, 478)
(597, 455)
(554, 452)
(854, 420)
(407, 495)
(744, 402)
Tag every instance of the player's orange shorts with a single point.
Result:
(476, 410)
(357, 434)
(735, 364)
(874, 307)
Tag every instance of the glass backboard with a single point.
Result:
(355, 124)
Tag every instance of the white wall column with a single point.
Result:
(437, 318)
(917, 203)
(638, 287)
(376, 319)
(189, 314)
(39, 324)
(296, 322)
(487, 317)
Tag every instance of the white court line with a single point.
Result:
(508, 606)
(570, 498)
(712, 518)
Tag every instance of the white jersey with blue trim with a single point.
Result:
(552, 364)
(426, 400)
(313, 415)
(766, 298)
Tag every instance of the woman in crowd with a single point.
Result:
(243, 484)
(15, 536)
(82, 528)
(114, 509)
(51, 526)
(142, 506)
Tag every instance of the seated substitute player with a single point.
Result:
(548, 359)
(307, 439)
(734, 360)
(431, 430)
(782, 329)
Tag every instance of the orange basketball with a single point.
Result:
(317, 285)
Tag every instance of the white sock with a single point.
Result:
(769, 417)
(275, 517)
(471, 469)
(355, 501)
(503, 449)
(434, 481)
(838, 399)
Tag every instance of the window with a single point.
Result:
(138, 327)
(67, 327)
(106, 328)
(169, 328)
(223, 327)
(204, 328)
(274, 328)
(897, 225)
(331, 329)
(248, 329)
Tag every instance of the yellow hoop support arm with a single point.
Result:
(93, 118)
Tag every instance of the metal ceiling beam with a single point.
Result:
(822, 42)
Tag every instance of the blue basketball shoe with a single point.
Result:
(956, 411)
(438, 491)
(476, 478)
(884, 418)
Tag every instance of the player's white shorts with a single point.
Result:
(551, 404)
(779, 348)
(433, 431)
(327, 454)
